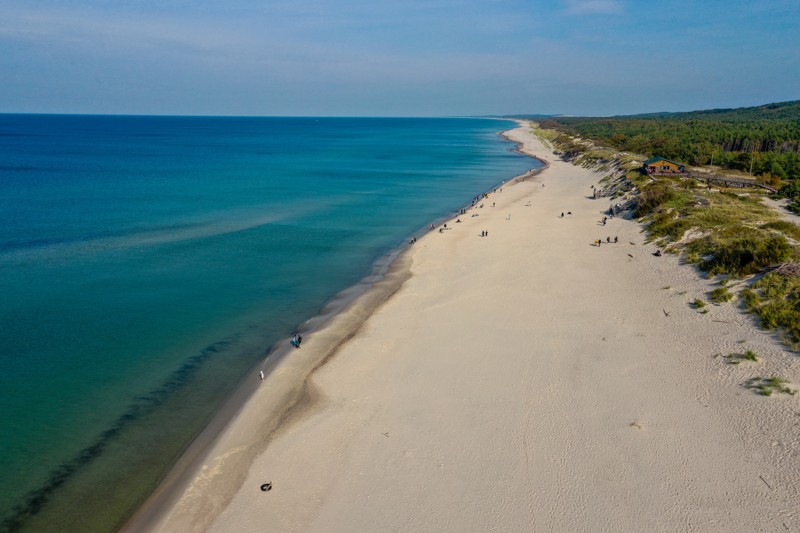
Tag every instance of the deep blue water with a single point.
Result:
(147, 263)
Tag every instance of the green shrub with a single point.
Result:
(721, 295)
(749, 297)
(750, 355)
(790, 190)
(651, 196)
(747, 255)
(698, 303)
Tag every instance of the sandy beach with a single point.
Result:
(527, 380)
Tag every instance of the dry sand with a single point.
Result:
(524, 381)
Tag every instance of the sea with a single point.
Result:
(148, 264)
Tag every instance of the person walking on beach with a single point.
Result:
(261, 375)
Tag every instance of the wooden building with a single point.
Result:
(659, 165)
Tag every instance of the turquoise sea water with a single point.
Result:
(148, 263)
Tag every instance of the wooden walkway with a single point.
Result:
(721, 181)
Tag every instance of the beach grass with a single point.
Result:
(737, 358)
(775, 299)
(735, 236)
(785, 227)
(769, 386)
(721, 232)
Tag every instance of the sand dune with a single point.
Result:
(524, 381)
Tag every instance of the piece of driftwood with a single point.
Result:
(789, 269)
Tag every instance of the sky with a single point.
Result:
(395, 57)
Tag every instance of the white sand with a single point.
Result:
(526, 381)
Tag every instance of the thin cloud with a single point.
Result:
(593, 7)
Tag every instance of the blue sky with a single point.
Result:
(395, 58)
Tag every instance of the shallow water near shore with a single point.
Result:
(147, 263)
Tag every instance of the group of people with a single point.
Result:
(598, 242)
(480, 197)
(484, 233)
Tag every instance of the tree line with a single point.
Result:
(764, 140)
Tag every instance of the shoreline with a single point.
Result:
(525, 381)
(352, 305)
(359, 302)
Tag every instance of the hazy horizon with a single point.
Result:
(500, 117)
